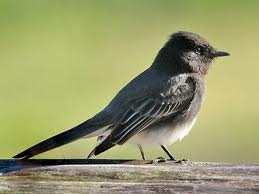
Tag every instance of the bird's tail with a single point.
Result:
(82, 130)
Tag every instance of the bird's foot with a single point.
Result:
(162, 159)
(158, 160)
(181, 161)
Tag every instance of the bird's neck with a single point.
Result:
(168, 60)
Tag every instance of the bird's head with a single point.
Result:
(189, 51)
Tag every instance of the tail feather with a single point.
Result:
(68, 136)
(103, 146)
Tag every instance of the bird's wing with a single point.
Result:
(176, 97)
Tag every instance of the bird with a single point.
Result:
(156, 108)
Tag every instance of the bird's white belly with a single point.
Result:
(165, 135)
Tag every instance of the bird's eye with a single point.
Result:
(199, 50)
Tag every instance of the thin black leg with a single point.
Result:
(141, 151)
(167, 152)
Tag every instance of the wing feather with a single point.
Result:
(152, 109)
(174, 100)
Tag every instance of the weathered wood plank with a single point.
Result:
(168, 177)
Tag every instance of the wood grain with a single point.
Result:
(128, 176)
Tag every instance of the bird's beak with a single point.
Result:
(216, 53)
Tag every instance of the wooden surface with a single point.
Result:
(126, 176)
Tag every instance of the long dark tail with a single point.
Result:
(68, 136)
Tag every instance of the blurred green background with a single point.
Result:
(62, 61)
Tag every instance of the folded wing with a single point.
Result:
(175, 98)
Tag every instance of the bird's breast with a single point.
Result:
(164, 134)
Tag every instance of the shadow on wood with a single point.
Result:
(16, 165)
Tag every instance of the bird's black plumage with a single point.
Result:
(170, 100)
(158, 106)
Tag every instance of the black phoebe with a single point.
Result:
(158, 107)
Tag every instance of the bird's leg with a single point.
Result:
(167, 152)
(141, 151)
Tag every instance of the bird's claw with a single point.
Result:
(181, 161)
(161, 159)
(158, 160)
